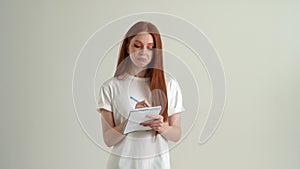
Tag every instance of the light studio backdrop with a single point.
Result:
(257, 43)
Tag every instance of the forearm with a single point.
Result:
(172, 133)
(114, 135)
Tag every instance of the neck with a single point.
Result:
(136, 71)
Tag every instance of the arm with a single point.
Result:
(112, 134)
(170, 130)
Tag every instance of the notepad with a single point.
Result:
(138, 116)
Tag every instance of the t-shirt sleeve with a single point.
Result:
(175, 98)
(104, 100)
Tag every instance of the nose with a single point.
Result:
(143, 50)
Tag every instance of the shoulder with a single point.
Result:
(114, 81)
(107, 83)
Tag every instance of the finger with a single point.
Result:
(157, 122)
(152, 123)
(138, 105)
(147, 123)
(142, 104)
(156, 125)
(144, 124)
(145, 103)
(156, 128)
(155, 116)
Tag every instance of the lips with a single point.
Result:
(142, 59)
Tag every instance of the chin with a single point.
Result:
(142, 65)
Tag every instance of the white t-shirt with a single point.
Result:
(138, 150)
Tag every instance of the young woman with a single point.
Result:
(140, 74)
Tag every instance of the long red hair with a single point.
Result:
(155, 70)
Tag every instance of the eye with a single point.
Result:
(137, 45)
(150, 47)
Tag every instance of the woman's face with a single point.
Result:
(140, 49)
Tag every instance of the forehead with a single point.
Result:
(143, 37)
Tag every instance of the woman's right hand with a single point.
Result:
(142, 104)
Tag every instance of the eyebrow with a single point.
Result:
(143, 43)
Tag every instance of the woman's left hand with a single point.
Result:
(157, 123)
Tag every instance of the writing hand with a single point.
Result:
(142, 104)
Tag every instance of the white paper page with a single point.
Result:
(138, 116)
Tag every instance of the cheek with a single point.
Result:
(151, 56)
(132, 50)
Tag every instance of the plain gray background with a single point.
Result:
(257, 41)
